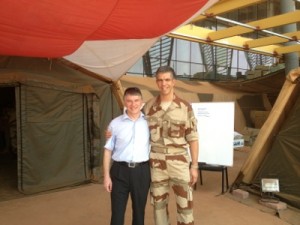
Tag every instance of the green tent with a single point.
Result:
(60, 114)
(276, 151)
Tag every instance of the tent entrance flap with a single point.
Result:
(53, 149)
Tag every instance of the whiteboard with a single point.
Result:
(216, 132)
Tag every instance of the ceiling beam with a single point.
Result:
(275, 21)
(225, 6)
(230, 37)
(199, 34)
(272, 40)
(287, 49)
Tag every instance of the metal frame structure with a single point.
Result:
(231, 37)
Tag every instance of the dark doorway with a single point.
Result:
(8, 144)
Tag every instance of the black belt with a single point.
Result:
(131, 164)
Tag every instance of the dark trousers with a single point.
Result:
(129, 181)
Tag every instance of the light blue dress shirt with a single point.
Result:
(130, 139)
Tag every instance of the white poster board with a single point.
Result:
(216, 132)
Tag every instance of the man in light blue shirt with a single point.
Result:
(128, 148)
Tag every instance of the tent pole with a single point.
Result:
(272, 125)
(118, 91)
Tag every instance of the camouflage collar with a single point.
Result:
(175, 102)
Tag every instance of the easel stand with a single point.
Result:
(269, 197)
(215, 168)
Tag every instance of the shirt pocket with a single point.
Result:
(176, 129)
(154, 128)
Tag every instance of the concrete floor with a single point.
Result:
(90, 204)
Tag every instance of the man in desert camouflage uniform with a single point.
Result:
(173, 130)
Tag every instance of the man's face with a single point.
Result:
(165, 83)
(133, 103)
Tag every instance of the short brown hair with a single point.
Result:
(166, 69)
(133, 91)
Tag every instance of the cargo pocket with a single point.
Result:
(190, 194)
(159, 196)
(154, 127)
(177, 129)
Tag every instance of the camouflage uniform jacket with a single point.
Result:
(172, 128)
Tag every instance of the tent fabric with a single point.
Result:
(55, 29)
(283, 159)
(110, 58)
(268, 131)
(18, 76)
(275, 152)
(62, 124)
(49, 157)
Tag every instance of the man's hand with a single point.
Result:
(194, 176)
(107, 183)
(107, 134)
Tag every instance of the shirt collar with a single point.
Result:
(125, 116)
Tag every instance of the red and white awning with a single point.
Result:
(104, 36)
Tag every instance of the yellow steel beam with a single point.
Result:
(199, 34)
(275, 21)
(272, 40)
(192, 31)
(224, 6)
(287, 49)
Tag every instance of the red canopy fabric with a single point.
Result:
(56, 28)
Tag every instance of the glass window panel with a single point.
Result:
(182, 69)
(242, 61)
(239, 60)
(137, 68)
(234, 62)
(222, 70)
(182, 50)
(195, 52)
(197, 69)
(233, 71)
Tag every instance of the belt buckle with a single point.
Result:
(131, 165)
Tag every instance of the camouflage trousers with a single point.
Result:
(171, 171)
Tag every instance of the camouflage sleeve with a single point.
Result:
(191, 131)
